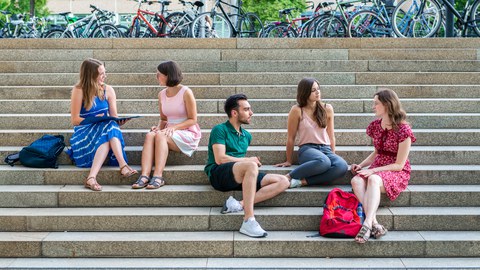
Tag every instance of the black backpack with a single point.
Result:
(41, 153)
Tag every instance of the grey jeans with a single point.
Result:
(318, 164)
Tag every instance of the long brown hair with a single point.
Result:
(88, 82)
(304, 90)
(395, 112)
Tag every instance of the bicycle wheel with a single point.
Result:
(367, 24)
(177, 25)
(331, 27)
(409, 21)
(58, 33)
(475, 16)
(250, 26)
(211, 26)
(282, 30)
(106, 30)
(266, 30)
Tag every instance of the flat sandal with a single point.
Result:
(130, 171)
(95, 186)
(156, 182)
(362, 234)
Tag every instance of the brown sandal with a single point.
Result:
(130, 171)
(362, 236)
(95, 186)
(378, 230)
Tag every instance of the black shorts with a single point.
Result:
(222, 178)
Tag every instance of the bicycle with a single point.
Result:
(374, 22)
(423, 18)
(92, 25)
(178, 23)
(15, 26)
(285, 29)
(216, 24)
(147, 23)
(334, 23)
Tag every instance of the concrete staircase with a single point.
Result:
(48, 220)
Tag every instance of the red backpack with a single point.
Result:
(340, 218)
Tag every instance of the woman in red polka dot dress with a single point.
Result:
(388, 166)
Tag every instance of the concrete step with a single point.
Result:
(344, 137)
(233, 244)
(19, 196)
(242, 43)
(444, 105)
(146, 66)
(177, 219)
(269, 155)
(217, 54)
(252, 91)
(259, 121)
(194, 175)
(254, 78)
(241, 263)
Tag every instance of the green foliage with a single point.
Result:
(23, 6)
(4, 4)
(267, 10)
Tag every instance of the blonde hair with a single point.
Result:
(88, 82)
(395, 112)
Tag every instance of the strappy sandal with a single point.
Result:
(362, 237)
(130, 171)
(95, 186)
(140, 183)
(378, 230)
(156, 182)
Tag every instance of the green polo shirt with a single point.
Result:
(236, 144)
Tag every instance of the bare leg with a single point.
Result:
(116, 147)
(372, 198)
(272, 185)
(246, 172)
(162, 145)
(359, 187)
(147, 153)
(99, 158)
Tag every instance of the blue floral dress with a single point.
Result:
(87, 138)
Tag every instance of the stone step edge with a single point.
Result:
(254, 99)
(107, 189)
(133, 211)
(240, 263)
(281, 148)
(263, 130)
(73, 168)
(249, 86)
(233, 244)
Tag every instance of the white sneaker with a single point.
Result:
(252, 228)
(294, 183)
(231, 206)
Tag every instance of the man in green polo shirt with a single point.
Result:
(228, 168)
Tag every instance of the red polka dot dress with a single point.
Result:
(386, 143)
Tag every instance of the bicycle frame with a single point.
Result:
(218, 4)
(462, 21)
(71, 27)
(140, 16)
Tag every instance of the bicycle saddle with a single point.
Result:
(286, 11)
(64, 13)
(198, 4)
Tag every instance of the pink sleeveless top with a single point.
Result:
(174, 107)
(309, 132)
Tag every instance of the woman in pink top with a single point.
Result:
(177, 129)
(310, 125)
